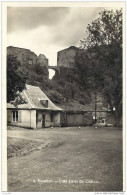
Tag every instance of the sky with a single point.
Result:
(47, 30)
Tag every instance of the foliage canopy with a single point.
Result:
(16, 77)
(104, 55)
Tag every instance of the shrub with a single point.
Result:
(56, 97)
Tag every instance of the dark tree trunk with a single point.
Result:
(117, 119)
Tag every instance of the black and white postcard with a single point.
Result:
(63, 97)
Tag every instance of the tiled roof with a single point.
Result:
(33, 95)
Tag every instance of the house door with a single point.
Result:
(43, 121)
(36, 118)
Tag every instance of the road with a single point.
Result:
(85, 159)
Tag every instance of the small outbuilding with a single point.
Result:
(33, 109)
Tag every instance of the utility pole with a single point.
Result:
(95, 106)
(65, 105)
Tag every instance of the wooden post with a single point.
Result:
(95, 106)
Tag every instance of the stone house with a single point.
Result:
(33, 109)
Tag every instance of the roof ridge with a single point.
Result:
(32, 85)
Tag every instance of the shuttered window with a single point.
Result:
(16, 116)
(9, 116)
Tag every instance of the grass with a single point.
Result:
(22, 147)
(83, 154)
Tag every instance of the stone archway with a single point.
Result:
(55, 68)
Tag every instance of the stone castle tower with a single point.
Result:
(42, 60)
(67, 57)
(27, 57)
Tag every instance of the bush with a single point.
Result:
(40, 69)
(56, 97)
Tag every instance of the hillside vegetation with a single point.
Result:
(65, 89)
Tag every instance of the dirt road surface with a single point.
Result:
(85, 159)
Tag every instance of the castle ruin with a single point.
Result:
(27, 57)
(67, 57)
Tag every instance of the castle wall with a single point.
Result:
(67, 57)
(42, 62)
(25, 56)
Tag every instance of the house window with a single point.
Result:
(100, 117)
(15, 116)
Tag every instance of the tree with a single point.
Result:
(16, 77)
(105, 30)
(56, 97)
(104, 50)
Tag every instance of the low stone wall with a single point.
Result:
(85, 118)
(76, 118)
